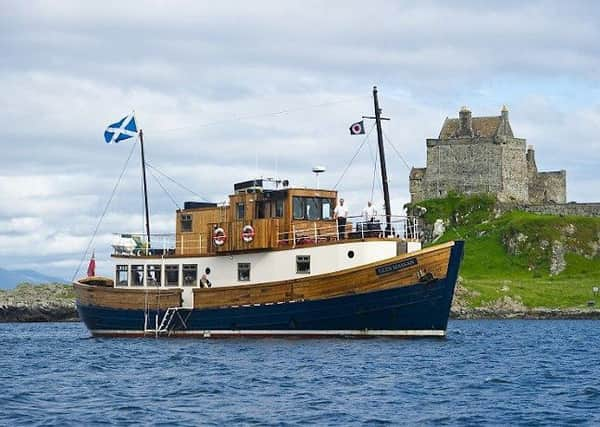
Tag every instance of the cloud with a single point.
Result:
(231, 90)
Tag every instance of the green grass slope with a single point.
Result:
(537, 260)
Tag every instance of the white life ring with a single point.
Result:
(248, 233)
(219, 236)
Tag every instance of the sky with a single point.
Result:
(231, 90)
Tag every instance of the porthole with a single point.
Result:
(207, 270)
(350, 254)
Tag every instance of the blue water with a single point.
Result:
(484, 372)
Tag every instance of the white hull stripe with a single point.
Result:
(224, 332)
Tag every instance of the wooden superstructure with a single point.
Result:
(277, 217)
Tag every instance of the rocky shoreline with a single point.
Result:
(56, 303)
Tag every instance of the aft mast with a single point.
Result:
(384, 178)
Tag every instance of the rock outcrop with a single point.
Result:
(41, 303)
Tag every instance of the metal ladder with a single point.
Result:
(165, 323)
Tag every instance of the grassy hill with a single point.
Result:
(536, 260)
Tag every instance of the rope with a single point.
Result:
(354, 157)
(257, 116)
(175, 182)
(374, 174)
(164, 189)
(114, 190)
(397, 152)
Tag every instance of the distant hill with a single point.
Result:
(11, 278)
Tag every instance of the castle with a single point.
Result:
(481, 155)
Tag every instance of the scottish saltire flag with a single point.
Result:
(122, 130)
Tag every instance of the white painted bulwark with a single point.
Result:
(271, 266)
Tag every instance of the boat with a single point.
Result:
(274, 261)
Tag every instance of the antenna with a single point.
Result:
(317, 170)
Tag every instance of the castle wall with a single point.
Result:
(462, 165)
(547, 187)
(514, 171)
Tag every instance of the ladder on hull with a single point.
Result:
(166, 324)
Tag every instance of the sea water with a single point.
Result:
(484, 372)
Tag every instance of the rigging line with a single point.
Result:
(175, 182)
(374, 174)
(165, 190)
(354, 157)
(112, 195)
(257, 116)
(397, 152)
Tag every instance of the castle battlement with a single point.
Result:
(482, 155)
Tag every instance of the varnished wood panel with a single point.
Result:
(126, 298)
(352, 281)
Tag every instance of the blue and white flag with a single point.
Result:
(122, 130)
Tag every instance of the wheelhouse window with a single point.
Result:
(240, 211)
(186, 222)
(190, 274)
(122, 275)
(303, 264)
(154, 276)
(311, 208)
(326, 209)
(244, 272)
(278, 208)
(171, 275)
(137, 275)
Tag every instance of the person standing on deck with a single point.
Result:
(341, 214)
(369, 213)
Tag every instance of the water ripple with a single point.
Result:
(485, 372)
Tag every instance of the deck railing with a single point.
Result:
(402, 227)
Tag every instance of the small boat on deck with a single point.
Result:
(274, 261)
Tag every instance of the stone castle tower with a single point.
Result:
(481, 155)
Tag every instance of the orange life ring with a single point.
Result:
(248, 233)
(219, 236)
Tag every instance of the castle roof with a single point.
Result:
(486, 127)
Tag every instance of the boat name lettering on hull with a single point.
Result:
(390, 268)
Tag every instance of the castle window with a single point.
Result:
(186, 222)
(303, 264)
(243, 272)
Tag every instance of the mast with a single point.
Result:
(141, 134)
(384, 178)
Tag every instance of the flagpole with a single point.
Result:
(141, 135)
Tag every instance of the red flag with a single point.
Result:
(92, 266)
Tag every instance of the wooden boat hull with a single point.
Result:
(419, 308)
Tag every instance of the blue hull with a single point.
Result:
(418, 309)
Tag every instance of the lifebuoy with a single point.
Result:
(219, 236)
(247, 233)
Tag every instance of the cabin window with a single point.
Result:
(312, 207)
(186, 222)
(261, 210)
(326, 209)
(190, 274)
(122, 273)
(240, 211)
(278, 208)
(171, 275)
(153, 272)
(244, 272)
(137, 275)
(298, 208)
(303, 264)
